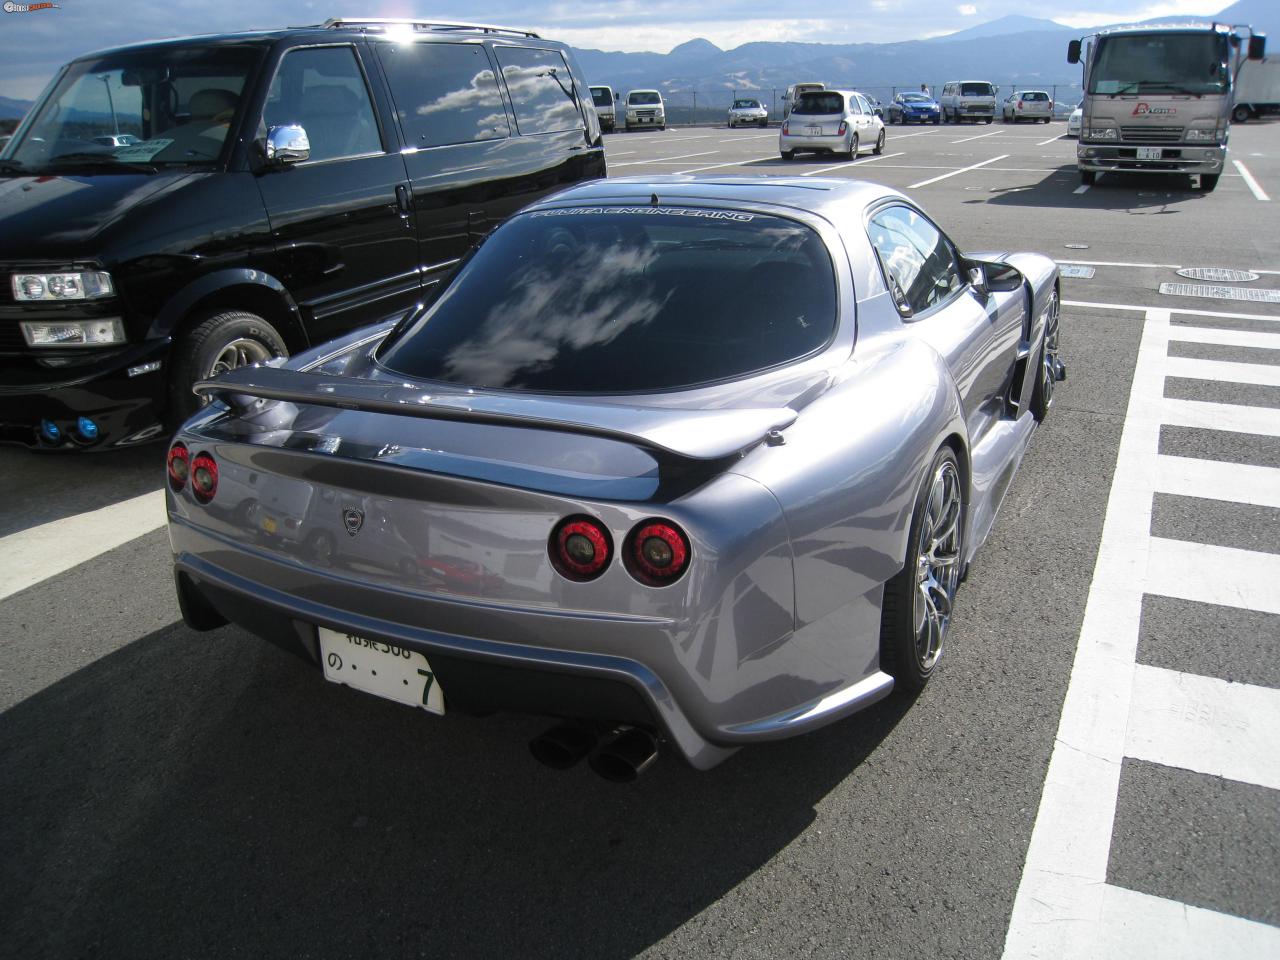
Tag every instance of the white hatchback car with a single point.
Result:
(831, 121)
(1033, 105)
(748, 112)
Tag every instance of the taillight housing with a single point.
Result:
(179, 465)
(204, 477)
(657, 552)
(786, 128)
(844, 128)
(580, 548)
(1019, 104)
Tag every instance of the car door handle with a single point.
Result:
(402, 200)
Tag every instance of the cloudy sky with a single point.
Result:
(34, 44)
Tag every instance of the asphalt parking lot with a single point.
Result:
(1092, 772)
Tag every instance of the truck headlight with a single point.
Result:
(73, 333)
(85, 285)
(1100, 133)
(1212, 136)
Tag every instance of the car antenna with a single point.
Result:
(653, 200)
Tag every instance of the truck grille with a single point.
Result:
(1151, 134)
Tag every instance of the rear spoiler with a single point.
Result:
(687, 434)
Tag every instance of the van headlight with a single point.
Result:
(102, 332)
(85, 285)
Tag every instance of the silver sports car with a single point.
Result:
(678, 460)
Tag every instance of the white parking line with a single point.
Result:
(683, 156)
(1150, 266)
(922, 133)
(38, 553)
(849, 163)
(759, 136)
(1050, 140)
(614, 153)
(975, 166)
(1250, 182)
(1083, 188)
(981, 136)
(732, 163)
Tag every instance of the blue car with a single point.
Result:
(914, 107)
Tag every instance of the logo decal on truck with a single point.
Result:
(1142, 109)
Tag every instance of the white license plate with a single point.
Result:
(1150, 153)
(813, 131)
(382, 669)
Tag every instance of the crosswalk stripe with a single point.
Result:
(1225, 338)
(1139, 926)
(1206, 725)
(1207, 573)
(1232, 417)
(1217, 480)
(1260, 374)
(38, 553)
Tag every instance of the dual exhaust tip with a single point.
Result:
(620, 755)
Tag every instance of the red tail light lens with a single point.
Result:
(786, 129)
(1019, 104)
(844, 127)
(204, 477)
(657, 552)
(179, 463)
(580, 548)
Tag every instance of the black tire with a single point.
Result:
(788, 154)
(992, 120)
(936, 121)
(1088, 177)
(1208, 182)
(198, 353)
(764, 124)
(879, 147)
(913, 632)
(854, 147)
(1241, 113)
(1046, 366)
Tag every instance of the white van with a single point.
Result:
(602, 97)
(645, 109)
(968, 100)
(794, 91)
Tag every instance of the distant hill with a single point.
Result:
(13, 109)
(1002, 27)
(1262, 15)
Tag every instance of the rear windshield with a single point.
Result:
(618, 299)
(1035, 95)
(816, 102)
(644, 98)
(601, 97)
(976, 90)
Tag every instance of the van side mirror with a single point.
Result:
(1257, 46)
(287, 144)
(1073, 51)
(617, 98)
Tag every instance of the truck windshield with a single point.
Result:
(601, 97)
(643, 98)
(163, 106)
(1194, 63)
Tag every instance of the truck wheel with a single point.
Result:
(222, 342)
(1087, 177)
(1240, 114)
(1208, 181)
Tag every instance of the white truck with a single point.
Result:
(1257, 90)
(1159, 99)
(603, 98)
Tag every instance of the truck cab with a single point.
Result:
(603, 98)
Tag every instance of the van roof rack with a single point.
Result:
(442, 26)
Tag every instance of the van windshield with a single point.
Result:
(976, 90)
(601, 97)
(814, 102)
(644, 97)
(163, 106)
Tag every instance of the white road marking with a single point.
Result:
(1138, 926)
(953, 173)
(1206, 573)
(731, 163)
(1232, 417)
(921, 133)
(1205, 725)
(1083, 188)
(1152, 266)
(1251, 183)
(1226, 338)
(682, 156)
(762, 136)
(38, 553)
(1259, 374)
(1217, 480)
(609, 154)
(1186, 310)
(1050, 140)
(849, 163)
(981, 136)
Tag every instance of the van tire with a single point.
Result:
(1088, 177)
(195, 354)
(788, 154)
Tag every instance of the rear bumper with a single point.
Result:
(1174, 159)
(127, 409)
(492, 657)
(834, 143)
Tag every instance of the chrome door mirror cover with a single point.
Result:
(287, 144)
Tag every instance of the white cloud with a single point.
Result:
(967, 10)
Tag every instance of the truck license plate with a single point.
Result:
(1150, 153)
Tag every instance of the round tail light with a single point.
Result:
(179, 466)
(204, 477)
(580, 548)
(657, 552)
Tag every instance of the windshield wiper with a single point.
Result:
(12, 166)
(102, 160)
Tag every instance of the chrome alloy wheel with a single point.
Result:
(239, 353)
(1049, 355)
(937, 564)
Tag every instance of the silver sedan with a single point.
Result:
(681, 461)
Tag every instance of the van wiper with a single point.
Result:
(100, 160)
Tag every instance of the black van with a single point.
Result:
(171, 210)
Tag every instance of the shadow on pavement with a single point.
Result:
(207, 795)
(1129, 192)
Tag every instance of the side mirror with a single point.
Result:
(1258, 46)
(987, 277)
(287, 144)
(1073, 51)
(617, 98)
